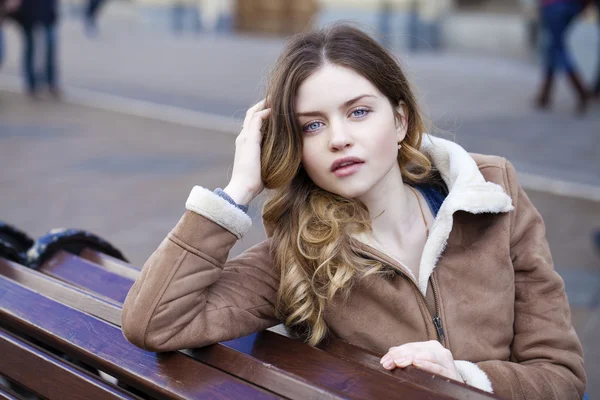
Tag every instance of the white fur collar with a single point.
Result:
(468, 191)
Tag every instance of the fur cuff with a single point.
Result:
(212, 206)
(474, 376)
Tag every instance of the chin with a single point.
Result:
(350, 192)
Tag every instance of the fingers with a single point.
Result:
(390, 362)
(432, 348)
(430, 356)
(258, 106)
(404, 359)
(251, 130)
(246, 183)
(261, 115)
(430, 367)
(410, 353)
(252, 111)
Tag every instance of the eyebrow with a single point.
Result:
(346, 104)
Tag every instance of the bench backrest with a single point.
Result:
(64, 309)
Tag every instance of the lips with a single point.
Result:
(345, 162)
(348, 170)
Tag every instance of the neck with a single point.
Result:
(394, 211)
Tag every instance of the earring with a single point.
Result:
(399, 146)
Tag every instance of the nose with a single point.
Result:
(340, 137)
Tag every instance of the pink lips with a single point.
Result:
(348, 170)
(346, 166)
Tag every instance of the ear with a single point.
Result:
(401, 121)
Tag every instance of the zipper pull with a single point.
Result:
(439, 328)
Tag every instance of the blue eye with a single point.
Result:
(312, 126)
(360, 112)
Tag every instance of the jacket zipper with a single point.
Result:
(437, 321)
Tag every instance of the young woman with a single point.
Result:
(396, 241)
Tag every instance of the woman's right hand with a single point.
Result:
(246, 182)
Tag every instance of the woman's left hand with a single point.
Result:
(430, 356)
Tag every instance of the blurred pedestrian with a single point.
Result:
(184, 10)
(2, 13)
(91, 16)
(425, 23)
(33, 16)
(557, 16)
(6, 8)
(596, 89)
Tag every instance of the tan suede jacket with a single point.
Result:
(486, 289)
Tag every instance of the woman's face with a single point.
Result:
(345, 119)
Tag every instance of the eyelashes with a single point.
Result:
(364, 112)
(307, 127)
(357, 113)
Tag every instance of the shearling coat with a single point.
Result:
(486, 277)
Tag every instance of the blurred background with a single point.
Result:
(144, 98)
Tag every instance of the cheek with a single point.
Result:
(309, 161)
(386, 140)
(314, 163)
(386, 144)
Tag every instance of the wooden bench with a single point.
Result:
(72, 306)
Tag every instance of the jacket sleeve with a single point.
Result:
(188, 295)
(546, 356)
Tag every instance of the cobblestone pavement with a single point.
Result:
(126, 178)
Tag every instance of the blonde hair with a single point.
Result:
(311, 228)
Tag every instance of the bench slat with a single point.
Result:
(106, 309)
(103, 346)
(111, 264)
(50, 377)
(336, 347)
(276, 380)
(243, 356)
(414, 375)
(68, 267)
(229, 357)
(310, 364)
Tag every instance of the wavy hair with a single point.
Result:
(311, 229)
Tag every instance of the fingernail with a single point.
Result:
(388, 365)
(386, 360)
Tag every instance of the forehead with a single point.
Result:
(330, 86)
